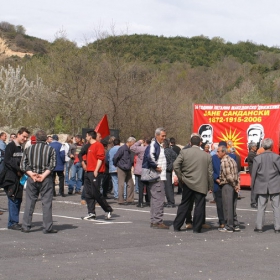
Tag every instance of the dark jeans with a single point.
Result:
(14, 209)
(140, 189)
(92, 193)
(148, 193)
(219, 204)
(188, 196)
(60, 175)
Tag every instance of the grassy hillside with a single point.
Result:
(197, 51)
(18, 41)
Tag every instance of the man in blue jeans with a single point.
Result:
(112, 168)
(76, 178)
(12, 186)
(59, 168)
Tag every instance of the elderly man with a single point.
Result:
(255, 133)
(37, 162)
(229, 182)
(122, 159)
(154, 158)
(194, 169)
(265, 183)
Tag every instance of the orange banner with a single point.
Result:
(238, 125)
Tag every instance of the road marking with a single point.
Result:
(75, 218)
(145, 211)
(3, 228)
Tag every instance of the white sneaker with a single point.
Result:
(225, 229)
(108, 215)
(89, 217)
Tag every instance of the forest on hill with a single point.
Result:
(140, 81)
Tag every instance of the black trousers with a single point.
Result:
(92, 193)
(219, 204)
(141, 186)
(106, 183)
(188, 196)
(169, 189)
(60, 175)
(189, 219)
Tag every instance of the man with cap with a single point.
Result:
(216, 161)
(228, 181)
(59, 168)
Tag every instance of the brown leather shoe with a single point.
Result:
(206, 226)
(1, 213)
(161, 226)
(189, 226)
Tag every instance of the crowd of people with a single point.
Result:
(94, 167)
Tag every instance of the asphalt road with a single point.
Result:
(125, 247)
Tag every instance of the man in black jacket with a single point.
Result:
(174, 147)
(251, 155)
(122, 159)
(171, 156)
(12, 186)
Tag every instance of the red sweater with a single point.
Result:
(95, 151)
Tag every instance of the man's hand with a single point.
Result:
(95, 173)
(32, 175)
(237, 189)
(218, 181)
(158, 169)
(40, 178)
(84, 166)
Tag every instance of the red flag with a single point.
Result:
(103, 127)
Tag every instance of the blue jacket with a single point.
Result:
(109, 159)
(60, 155)
(122, 158)
(216, 161)
(151, 155)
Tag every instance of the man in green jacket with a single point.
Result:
(194, 169)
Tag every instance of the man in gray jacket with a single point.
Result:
(265, 180)
(194, 169)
